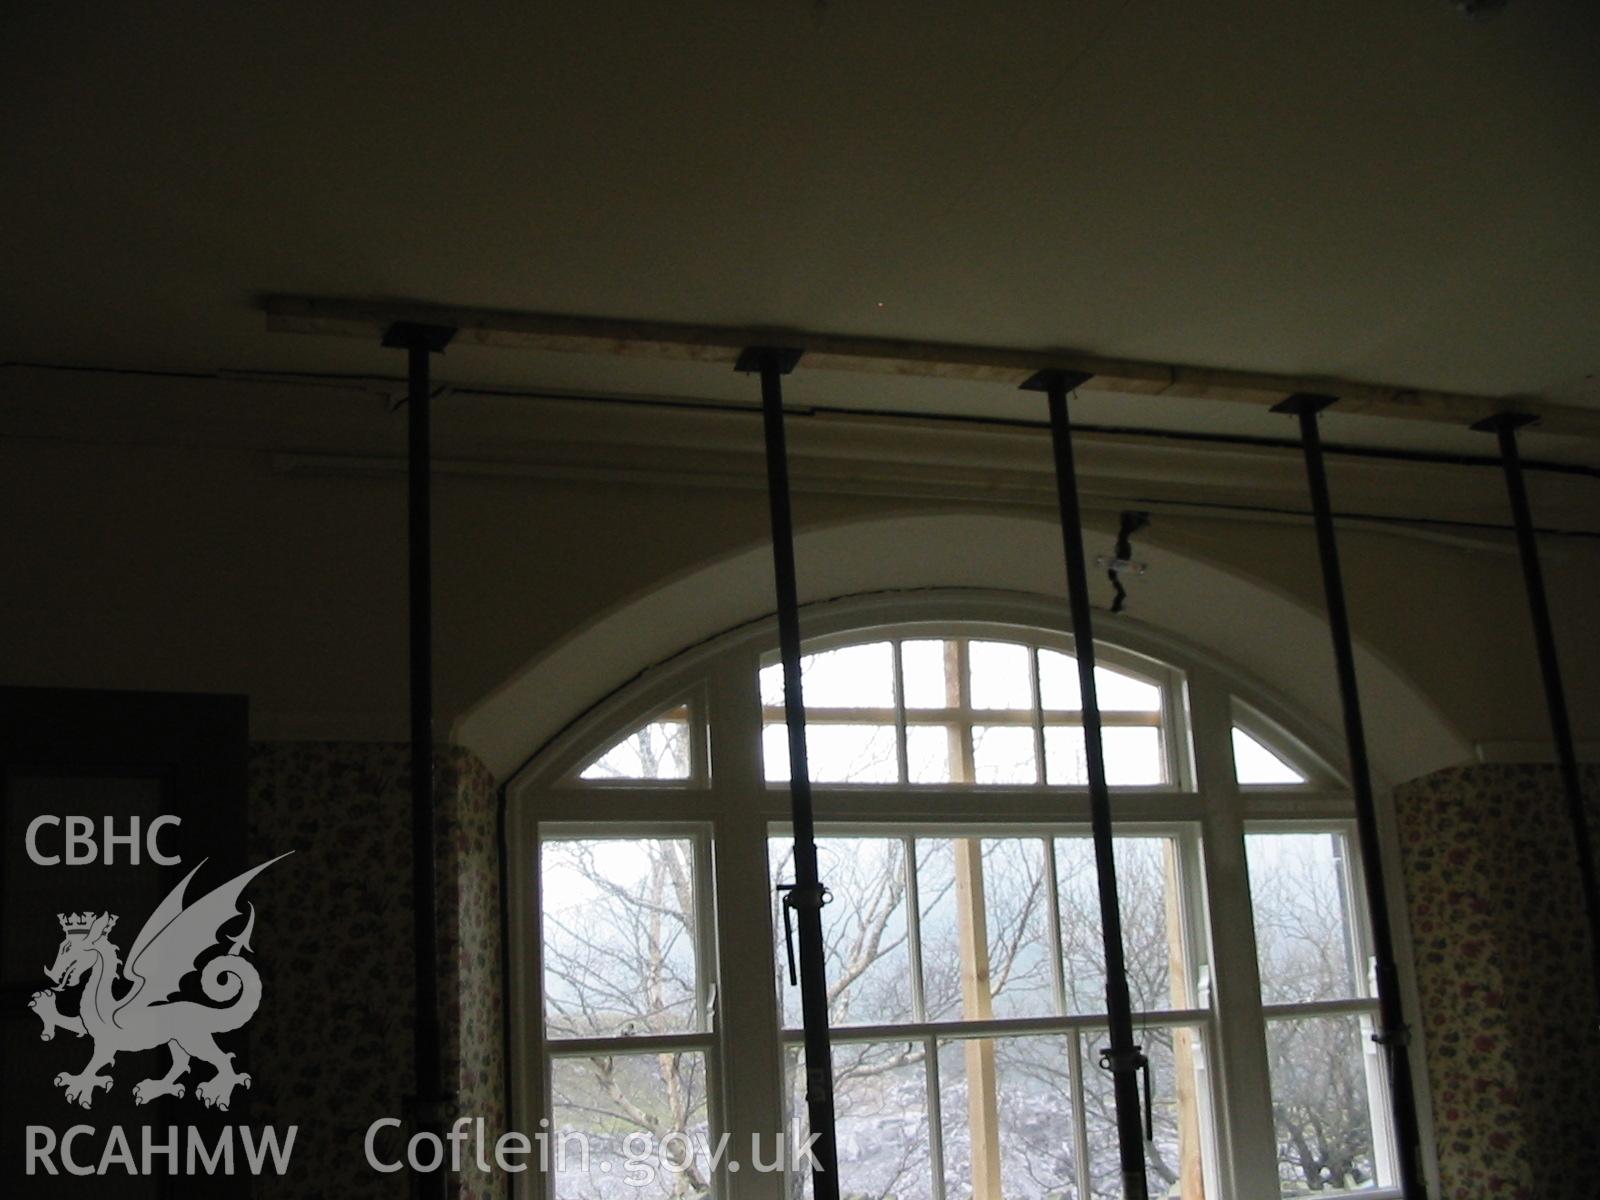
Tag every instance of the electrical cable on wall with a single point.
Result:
(1121, 560)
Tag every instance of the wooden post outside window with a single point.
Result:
(1191, 1179)
(977, 1001)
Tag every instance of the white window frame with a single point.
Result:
(1067, 1025)
(1364, 1003)
(707, 982)
(732, 801)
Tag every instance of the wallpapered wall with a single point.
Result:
(331, 1046)
(469, 899)
(1513, 1055)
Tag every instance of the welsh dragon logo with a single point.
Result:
(131, 1006)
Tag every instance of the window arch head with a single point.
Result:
(960, 692)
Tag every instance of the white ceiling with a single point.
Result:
(1379, 191)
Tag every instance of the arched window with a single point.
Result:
(654, 1016)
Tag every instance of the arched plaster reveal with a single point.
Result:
(1253, 628)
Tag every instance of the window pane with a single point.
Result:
(1066, 763)
(1015, 1093)
(849, 677)
(940, 924)
(1003, 754)
(619, 936)
(836, 753)
(1017, 913)
(1175, 1160)
(599, 1101)
(1116, 692)
(1322, 1072)
(1000, 676)
(1149, 896)
(1254, 763)
(1015, 977)
(922, 665)
(863, 929)
(881, 1119)
(1058, 681)
(1082, 949)
(928, 752)
(658, 749)
(1299, 893)
(1135, 756)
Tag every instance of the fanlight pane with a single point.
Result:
(1000, 678)
(658, 749)
(1254, 763)
(1003, 754)
(928, 753)
(835, 753)
(1134, 756)
(1058, 681)
(922, 665)
(849, 677)
(1123, 693)
(1116, 692)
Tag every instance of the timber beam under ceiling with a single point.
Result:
(368, 319)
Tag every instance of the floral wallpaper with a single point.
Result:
(469, 944)
(331, 1045)
(1513, 1052)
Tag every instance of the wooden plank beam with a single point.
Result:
(943, 360)
(1191, 1175)
(972, 925)
(977, 1004)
